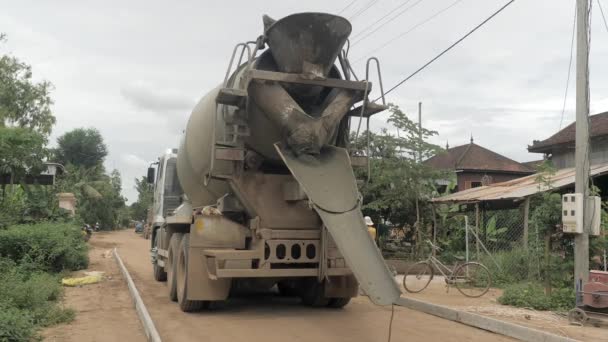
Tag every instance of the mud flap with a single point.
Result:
(329, 182)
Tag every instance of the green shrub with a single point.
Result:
(28, 300)
(48, 246)
(562, 298)
(525, 295)
(15, 325)
(31, 257)
(532, 295)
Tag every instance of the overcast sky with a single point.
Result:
(134, 69)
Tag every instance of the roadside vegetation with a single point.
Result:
(399, 186)
(32, 260)
(39, 242)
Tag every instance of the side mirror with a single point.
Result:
(151, 175)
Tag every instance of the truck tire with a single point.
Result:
(171, 264)
(312, 294)
(159, 271)
(338, 303)
(185, 304)
(287, 289)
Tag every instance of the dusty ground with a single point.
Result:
(104, 311)
(272, 318)
(488, 305)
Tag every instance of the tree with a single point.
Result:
(21, 151)
(144, 199)
(81, 147)
(25, 118)
(23, 102)
(25, 122)
(398, 179)
(98, 195)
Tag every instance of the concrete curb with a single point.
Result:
(482, 322)
(140, 307)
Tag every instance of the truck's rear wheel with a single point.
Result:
(338, 303)
(287, 289)
(313, 294)
(159, 271)
(171, 264)
(185, 304)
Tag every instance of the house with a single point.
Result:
(46, 176)
(475, 166)
(559, 148)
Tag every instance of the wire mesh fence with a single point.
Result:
(514, 248)
(510, 242)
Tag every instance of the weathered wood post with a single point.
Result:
(526, 223)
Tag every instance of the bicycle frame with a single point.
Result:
(446, 271)
(452, 276)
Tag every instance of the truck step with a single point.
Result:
(232, 97)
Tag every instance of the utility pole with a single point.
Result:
(420, 131)
(418, 223)
(581, 241)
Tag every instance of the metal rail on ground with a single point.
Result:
(140, 307)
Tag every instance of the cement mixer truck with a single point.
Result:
(269, 194)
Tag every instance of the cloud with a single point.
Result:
(134, 161)
(156, 99)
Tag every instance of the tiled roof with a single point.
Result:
(533, 165)
(475, 157)
(598, 126)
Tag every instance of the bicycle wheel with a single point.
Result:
(472, 279)
(417, 277)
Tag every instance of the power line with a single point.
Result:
(364, 8)
(599, 3)
(448, 49)
(388, 21)
(347, 6)
(410, 29)
(561, 120)
(381, 18)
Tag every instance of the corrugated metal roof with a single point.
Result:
(518, 188)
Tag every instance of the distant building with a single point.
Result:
(46, 177)
(559, 147)
(475, 166)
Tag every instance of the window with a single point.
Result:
(472, 184)
(172, 186)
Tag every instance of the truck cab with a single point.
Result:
(167, 190)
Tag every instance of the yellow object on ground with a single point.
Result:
(90, 279)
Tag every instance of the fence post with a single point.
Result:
(466, 236)
(526, 217)
(434, 228)
(547, 263)
(477, 228)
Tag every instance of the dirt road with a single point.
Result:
(272, 318)
(104, 311)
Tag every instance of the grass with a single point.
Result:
(532, 295)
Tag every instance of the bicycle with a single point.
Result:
(472, 279)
